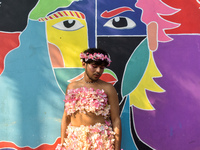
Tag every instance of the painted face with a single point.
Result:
(94, 71)
(64, 32)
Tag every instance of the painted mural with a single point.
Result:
(155, 51)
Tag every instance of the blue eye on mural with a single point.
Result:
(120, 23)
(69, 25)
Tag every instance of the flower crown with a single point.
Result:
(95, 57)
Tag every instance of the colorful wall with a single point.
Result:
(155, 51)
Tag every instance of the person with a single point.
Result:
(91, 119)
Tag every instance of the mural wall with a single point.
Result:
(155, 51)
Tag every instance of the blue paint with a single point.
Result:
(171, 131)
(103, 5)
(180, 125)
(31, 102)
(126, 134)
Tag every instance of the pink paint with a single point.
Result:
(152, 9)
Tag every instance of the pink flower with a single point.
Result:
(95, 57)
(87, 99)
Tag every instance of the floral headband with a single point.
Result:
(95, 57)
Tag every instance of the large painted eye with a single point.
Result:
(68, 25)
(120, 23)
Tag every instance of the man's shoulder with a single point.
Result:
(73, 85)
(108, 86)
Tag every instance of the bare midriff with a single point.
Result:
(86, 119)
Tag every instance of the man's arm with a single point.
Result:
(66, 119)
(115, 117)
(64, 123)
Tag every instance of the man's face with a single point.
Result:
(94, 71)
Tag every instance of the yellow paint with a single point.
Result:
(70, 43)
(138, 97)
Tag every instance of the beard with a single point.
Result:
(93, 76)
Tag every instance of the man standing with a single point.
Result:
(91, 117)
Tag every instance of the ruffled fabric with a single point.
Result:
(96, 137)
(87, 99)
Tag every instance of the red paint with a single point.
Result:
(65, 13)
(56, 15)
(82, 15)
(9, 41)
(188, 16)
(108, 78)
(41, 147)
(71, 13)
(60, 14)
(77, 14)
(109, 14)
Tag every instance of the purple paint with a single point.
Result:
(175, 124)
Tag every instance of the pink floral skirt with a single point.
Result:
(96, 137)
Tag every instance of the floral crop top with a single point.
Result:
(87, 99)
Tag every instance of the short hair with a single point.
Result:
(92, 51)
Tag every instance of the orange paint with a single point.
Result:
(152, 36)
(56, 56)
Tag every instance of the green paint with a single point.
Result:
(64, 74)
(135, 68)
(44, 7)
